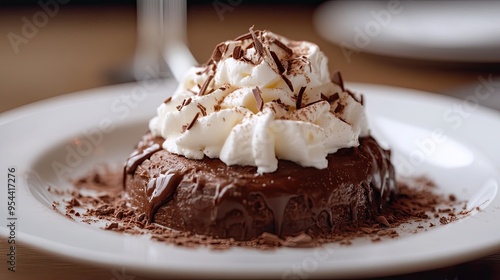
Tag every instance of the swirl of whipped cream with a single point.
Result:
(261, 97)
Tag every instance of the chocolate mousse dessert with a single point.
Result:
(260, 139)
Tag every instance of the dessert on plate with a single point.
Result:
(260, 139)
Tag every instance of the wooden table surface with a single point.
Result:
(84, 47)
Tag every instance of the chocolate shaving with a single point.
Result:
(237, 53)
(185, 102)
(330, 98)
(287, 81)
(339, 108)
(281, 69)
(247, 60)
(258, 98)
(334, 97)
(167, 100)
(179, 107)
(337, 79)
(283, 46)
(190, 125)
(353, 96)
(244, 36)
(298, 103)
(251, 45)
(311, 103)
(257, 42)
(218, 52)
(202, 109)
(205, 85)
(223, 49)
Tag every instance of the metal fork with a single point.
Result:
(161, 40)
(175, 51)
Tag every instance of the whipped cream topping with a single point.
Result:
(261, 97)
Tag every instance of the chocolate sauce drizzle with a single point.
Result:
(160, 190)
(137, 157)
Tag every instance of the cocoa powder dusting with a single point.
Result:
(416, 202)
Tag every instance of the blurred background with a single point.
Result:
(53, 47)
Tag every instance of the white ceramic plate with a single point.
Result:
(35, 137)
(462, 31)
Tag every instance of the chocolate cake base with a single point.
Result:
(210, 198)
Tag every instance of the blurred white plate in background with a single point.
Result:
(460, 31)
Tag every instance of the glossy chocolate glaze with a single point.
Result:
(143, 152)
(208, 197)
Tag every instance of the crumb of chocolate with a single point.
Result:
(413, 201)
(111, 226)
(446, 220)
(119, 215)
(366, 229)
(301, 240)
(383, 220)
(74, 202)
(282, 46)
